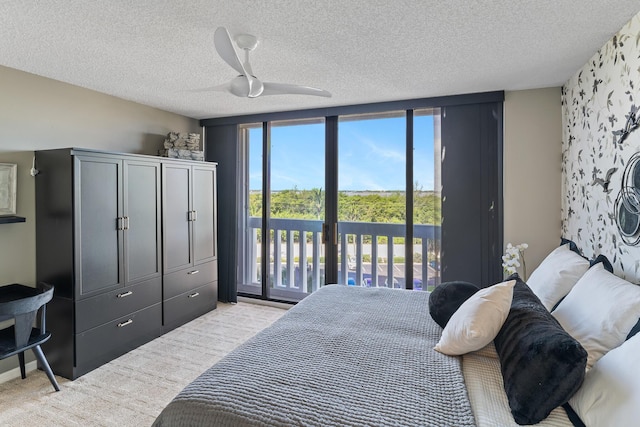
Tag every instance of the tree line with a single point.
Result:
(382, 207)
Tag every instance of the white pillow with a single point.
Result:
(478, 320)
(599, 311)
(610, 394)
(556, 275)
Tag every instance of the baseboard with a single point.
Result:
(15, 372)
(265, 302)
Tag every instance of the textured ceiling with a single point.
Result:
(157, 52)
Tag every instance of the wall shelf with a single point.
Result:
(11, 219)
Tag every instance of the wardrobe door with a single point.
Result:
(176, 211)
(141, 220)
(98, 225)
(204, 216)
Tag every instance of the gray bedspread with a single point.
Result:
(344, 356)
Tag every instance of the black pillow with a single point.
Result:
(542, 365)
(447, 297)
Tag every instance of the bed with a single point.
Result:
(348, 356)
(559, 350)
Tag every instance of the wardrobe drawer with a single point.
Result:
(190, 278)
(189, 305)
(103, 308)
(115, 338)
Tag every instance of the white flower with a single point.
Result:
(511, 259)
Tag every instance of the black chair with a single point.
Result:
(22, 303)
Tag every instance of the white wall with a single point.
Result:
(39, 113)
(532, 171)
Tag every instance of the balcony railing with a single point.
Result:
(367, 255)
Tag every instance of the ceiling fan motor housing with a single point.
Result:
(246, 41)
(239, 86)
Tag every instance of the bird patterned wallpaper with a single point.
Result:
(600, 154)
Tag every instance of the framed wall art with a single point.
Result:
(8, 187)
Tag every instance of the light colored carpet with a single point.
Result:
(133, 389)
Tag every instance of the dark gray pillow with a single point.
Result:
(447, 297)
(542, 365)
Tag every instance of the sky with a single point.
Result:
(371, 155)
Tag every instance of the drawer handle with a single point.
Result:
(194, 272)
(195, 294)
(123, 324)
(125, 294)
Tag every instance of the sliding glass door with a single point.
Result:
(427, 202)
(372, 199)
(289, 182)
(386, 202)
(297, 209)
(376, 172)
(251, 200)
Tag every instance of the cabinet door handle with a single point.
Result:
(126, 222)
(195, 216)
(195, 294)
(123, 324)
(194, 272)
(125, 294)
(119, 222)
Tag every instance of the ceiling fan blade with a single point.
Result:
(224, 47)
(256, 88)
(218, 88)
(289, 89)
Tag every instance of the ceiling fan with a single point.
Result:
(247, 85)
